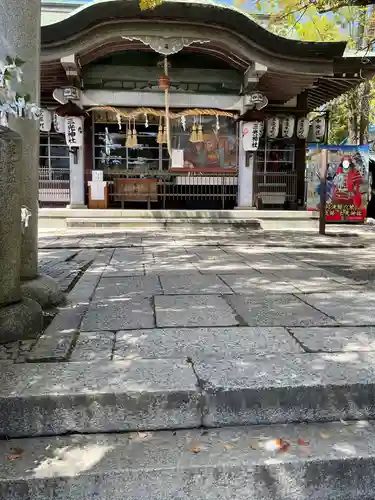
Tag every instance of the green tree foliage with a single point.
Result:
(303, 20)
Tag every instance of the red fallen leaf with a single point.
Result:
(302, 442)
(15, 453)
(283, 445)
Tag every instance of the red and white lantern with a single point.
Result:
(273, 126)
(74, 131)
(45, 120)
(303, 126)
(287, 127)
(251, 132)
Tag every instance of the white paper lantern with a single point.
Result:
(287, 127)
(45, 120)
(250, 135)
(273, 125)
(319, 128)
(74, 131)
(261, 128)
(303, 126)
(59, 123)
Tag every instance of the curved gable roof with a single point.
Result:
(188, 12)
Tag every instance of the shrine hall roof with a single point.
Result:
(99, 28)
(185, 11)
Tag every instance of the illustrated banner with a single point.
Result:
(347, 182)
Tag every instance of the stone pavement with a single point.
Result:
(198, 329)
(146, 294)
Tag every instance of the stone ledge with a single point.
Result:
(283, 388)
(335, 461)
(146, 394)
(58, 398)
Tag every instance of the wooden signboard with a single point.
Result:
(103, 204)
(145, 190)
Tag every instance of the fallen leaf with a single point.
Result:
(284, 445)
(276, 445)
(324, 435)
(302, 442)
(195, 449)
(15, 454)
(228, 446)
(343, 422)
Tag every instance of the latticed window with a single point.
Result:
(53, 155)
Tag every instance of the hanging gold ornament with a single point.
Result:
(128, 143)
(159, 138)
(200, 133)
(193, 137)
(134, 136)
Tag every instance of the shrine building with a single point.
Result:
(191, 105)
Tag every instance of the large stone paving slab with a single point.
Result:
(201, 343)
(209, 253)
(193, 310)
(93, 346)
(347, 307)
(97, 397)
(119, 315)
(267, 262)
(169, 267)
(277, 310)
(115, 269)
(193, 283)
(333, 339)
(125, 287)
(224, 266)
(255, 283)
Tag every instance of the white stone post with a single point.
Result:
(77, 179)
(245, 176)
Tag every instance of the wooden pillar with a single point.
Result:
(300, 157)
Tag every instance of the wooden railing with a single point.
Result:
(168, 188)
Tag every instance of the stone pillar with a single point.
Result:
(77, 179)
(245, 177)
(20, 27)
(20, 36)
(10, 226)
(19, 319)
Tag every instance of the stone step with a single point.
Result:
(178, 214)
(159, 222)
(333, 461)
(146, 394)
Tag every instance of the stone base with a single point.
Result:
(20, 321)
(43, 290)
(244, 207)
(76, 206)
